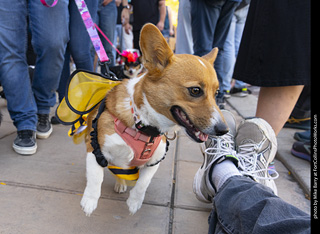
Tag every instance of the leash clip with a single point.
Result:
(109, 74)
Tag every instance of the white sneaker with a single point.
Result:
(256, 146)
(217, 149)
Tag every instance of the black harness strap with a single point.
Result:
(101, 160)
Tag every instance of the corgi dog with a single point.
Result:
(132, 63)
(176, 91)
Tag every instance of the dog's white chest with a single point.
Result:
(116, 151)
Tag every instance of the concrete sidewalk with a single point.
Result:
(42, 193)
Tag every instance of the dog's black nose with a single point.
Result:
(221, 129)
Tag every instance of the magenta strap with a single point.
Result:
(92, 31)
(104, 35)
(47, 5)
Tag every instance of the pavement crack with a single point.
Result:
(38, 187)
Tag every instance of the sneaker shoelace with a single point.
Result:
(23, 134)
(248, 163)
(43, 119)
(220, 146)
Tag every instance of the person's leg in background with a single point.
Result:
(14, 76)
(49, 41)
(204, 19)
(275, 104)
(279, 62)
(50, 35)
(107, 23)
(239, 86)
(184, 41)
(220, 35)
(300, 117)
(79, 46)
(228, 58)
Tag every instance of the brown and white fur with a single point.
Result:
(176, 90)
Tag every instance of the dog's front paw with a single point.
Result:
(134, 203)
(88, 204)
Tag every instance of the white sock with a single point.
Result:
(223, 171)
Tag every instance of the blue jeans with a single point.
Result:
(49, 28)
(210, 25)
(244, 206)
(184, 41)
(107, 20)
(118, 34)
(79, 46)
(231, 48)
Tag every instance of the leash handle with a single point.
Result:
(48, 5)
(91, 29)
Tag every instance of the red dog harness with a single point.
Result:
(142, 145)
(143, 141)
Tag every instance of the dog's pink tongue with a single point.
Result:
(203, 137)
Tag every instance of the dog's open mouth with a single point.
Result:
(182, 118)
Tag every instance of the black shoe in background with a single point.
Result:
(25, 142)
(44, 128)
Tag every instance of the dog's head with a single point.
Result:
(181, 87)
(132, 63)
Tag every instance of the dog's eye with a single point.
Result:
(195, 91)
(216, 93)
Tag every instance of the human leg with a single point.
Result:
(50, 34)
(79, 45)
(248, 206)
(204, 19)
(244, 206)
(49, 41)
(184, 41)
(275, 104)
(107, 22)
(301, 113)
(14, 76)
(80, 42)
(240, 204)
(228, 58)
(240, 16)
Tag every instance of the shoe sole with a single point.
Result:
(300, 155)
(25, 150)
(197, 186)
(240, 94)
(44, 135)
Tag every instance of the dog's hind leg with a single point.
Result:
(137, 193)
(92, 192)
(120, 186)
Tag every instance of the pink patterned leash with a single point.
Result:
(91, 28)
(100, 31)
(48, 5)
(92, 31)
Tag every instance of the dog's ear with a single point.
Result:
(211, 56)
(155, 50)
